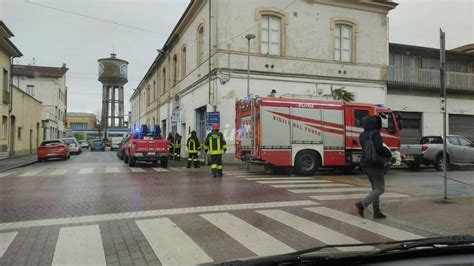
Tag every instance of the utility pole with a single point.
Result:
(444, 106)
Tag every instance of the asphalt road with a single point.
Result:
(94, 209)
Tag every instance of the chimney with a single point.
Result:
(64, 65)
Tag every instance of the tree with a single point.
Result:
(79, 135)
(341, 94)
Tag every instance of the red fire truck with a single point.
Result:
(306, 134)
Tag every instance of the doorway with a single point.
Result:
(201, 123)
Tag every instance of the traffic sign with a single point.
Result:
(213, 118)
(175, 116)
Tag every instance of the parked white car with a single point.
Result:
(116, 141)
(84, 144)
(73, 144)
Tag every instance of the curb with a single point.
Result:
(18, 166)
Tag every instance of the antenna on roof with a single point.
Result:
(33, 62)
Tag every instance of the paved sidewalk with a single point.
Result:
(452, 217)
(15, 162)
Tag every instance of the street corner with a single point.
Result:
(453, 216)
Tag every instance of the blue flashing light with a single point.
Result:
(381, 105)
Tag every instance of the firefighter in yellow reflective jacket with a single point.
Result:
(177, 147)
(216, 146)
(193, 146)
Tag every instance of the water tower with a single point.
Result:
(113, 76)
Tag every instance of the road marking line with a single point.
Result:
(5, 174)
(137, 170)
(254, 239)
(31, 173)
(86, 171)
(5, 240)
(160, 169)
(356, 196)
(112, 170)
(294, 181)
(79, 245)
(380, 229)
(314, 230)
(329, 190)
(154, 213)
(58, 172)
(310, 185)
(171, 245)
(277, 178)
(178, 169)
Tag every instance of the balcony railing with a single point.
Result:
(420, 77)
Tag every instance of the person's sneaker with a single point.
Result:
(360, 209)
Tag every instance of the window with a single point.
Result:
(360, 116)
(148, 98)
(164, 81)
(4, 127)
(431, 140)
(200, 44)
(183, 62)
(464, 142)
(5, 80)
(30, 89)
(453, 140)
(19, 133)
(270, 35)
(387, 121)
(343, 48)
(155, 93)
(175, 69)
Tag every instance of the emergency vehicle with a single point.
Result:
(146, 146)
(306, 134)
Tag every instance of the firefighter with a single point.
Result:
(216, 146)
(170, 140)
(177, 147)
(193, 146)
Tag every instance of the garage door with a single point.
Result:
(462, 125)
(411, 132)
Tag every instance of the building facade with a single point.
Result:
(81, 120)
(8, 51)
(48, 85)
(27, 132)
(414, 91)
(302, 49)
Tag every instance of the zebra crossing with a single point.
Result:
(317, 189)
(173, 244)
(85, 171)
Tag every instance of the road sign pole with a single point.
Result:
(444, 108)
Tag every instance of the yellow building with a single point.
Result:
(26, 121)
(80, 121)
(7, 52)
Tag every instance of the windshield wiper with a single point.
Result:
(431, 242)
(301, 255)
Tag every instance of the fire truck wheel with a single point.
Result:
(307, 162)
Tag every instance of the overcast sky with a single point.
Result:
(54, 37)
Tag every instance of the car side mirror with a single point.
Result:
(399, 121)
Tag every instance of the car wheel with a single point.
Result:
(125, 158)
(307, 162)
(164, 162)
(439, 164)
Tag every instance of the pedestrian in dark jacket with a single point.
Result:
(372, 127)
(170, 140)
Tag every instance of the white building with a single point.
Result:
(48, 85)
(301, 47)
(414, 91)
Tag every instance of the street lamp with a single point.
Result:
(249, 37)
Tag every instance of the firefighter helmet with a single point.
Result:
(215, 126)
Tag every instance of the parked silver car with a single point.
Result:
(430, 152)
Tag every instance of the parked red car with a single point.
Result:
(146, 146)
(50, 149)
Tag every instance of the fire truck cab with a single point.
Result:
(306, 134)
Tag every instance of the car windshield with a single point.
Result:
(194, 132)
(69, 141)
